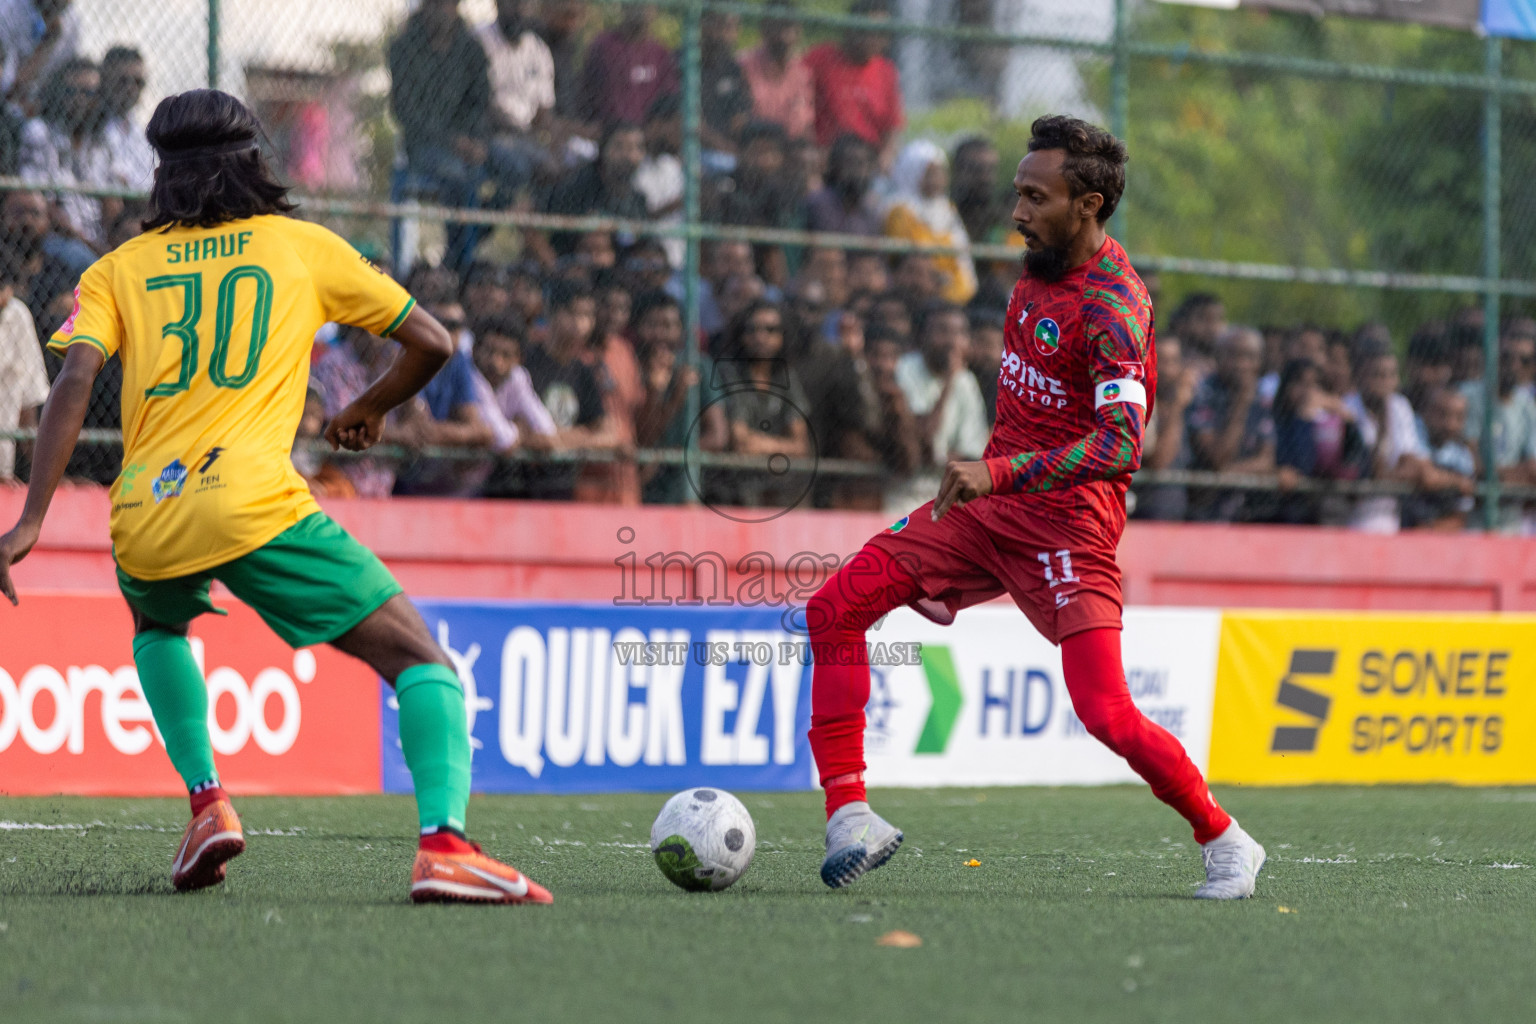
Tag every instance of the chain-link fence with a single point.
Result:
(1327, 212)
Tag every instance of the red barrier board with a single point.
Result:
(74, 720)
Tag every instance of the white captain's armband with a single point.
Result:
(1124, 390)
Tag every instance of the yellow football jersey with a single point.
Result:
(215, 328)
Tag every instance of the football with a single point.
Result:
(703, 840)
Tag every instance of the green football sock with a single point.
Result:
(434, 736)
(178, 697)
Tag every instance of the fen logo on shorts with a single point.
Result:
(898, 525)
(1047, 336)
(170, 481)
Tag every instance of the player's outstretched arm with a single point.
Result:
(426, 347)
(62, 418)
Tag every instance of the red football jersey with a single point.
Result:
(1076, 384)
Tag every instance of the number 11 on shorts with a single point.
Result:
(1065, 558)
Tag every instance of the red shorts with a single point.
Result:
(1059, 570)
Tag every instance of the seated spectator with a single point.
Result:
(985, 357)
(659, 178)
(64, 144)
(37, 37)
(1386, 427)
(504, 392)
(782, 86)
(1200, 321)
(522, 84)
(943, 395)
(872, 421)
(720, 260)
(569, 389)
(725, 99)
(973, 188)
(766, 408)
(1165, 441)
(920, 211)
(446, 414)
(868, 273)
(645, 267)
(325, 478)
(828, 267)
(893, 313)
(38, 255)
(602, 187)
(858, 89)
(663, 420)
(24, 377)
(615, 305)
(341, 370)
(844, 204)
(122, 83)
(759, 193)
(1521, 329)
(612, 359)
(1514, 421)
(560, 26)
(486, 291)
(440, 93)
(1315, 438)
(1230, 431)
(917, 278)
(596, 252)
(626, 70)
(1305, 343)
(1427, 367)
(1445, 428)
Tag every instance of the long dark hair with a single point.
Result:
(206, 177)
(1284, 407)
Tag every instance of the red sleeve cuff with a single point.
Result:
(1001, 469)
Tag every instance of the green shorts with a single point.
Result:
(311, 583)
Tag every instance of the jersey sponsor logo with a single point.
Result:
(1113, 392)
(209, 458)
(898, 525)
(1047, 336)
(1024, 313)
(170, 481)
(68, 327)
(1026, 382)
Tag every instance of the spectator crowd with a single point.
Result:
(574, 356)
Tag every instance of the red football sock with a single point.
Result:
(445, 842)
(870, 584)
(203, 796)
(1090, 661)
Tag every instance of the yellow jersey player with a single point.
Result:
(213, 311)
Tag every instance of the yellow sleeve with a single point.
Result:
(94, 320)
(352, 290)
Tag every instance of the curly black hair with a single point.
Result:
(1095, 159)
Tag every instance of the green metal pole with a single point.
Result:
(691, 178)
(213, 44)
(1120, 99)
(1492, 112)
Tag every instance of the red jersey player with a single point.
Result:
(1038, 518)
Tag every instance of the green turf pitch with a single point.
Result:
(1377, 905)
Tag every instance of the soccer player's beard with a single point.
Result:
(1048, 263)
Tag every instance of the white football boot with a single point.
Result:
(858, 840)
(1232, 863)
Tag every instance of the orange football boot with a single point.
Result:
(471, 877)
(212, 838)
